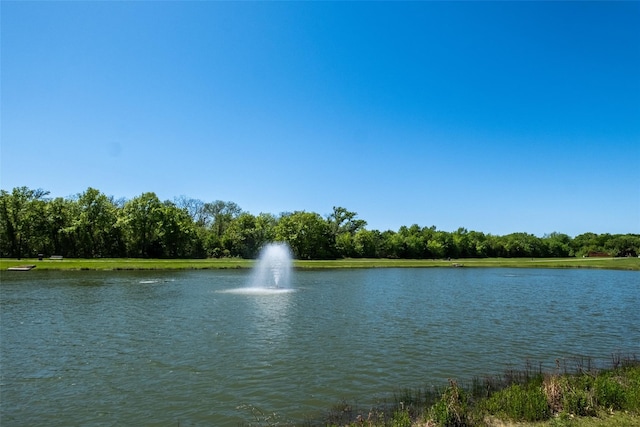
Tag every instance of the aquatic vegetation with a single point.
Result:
(452, 410)
(560, 398)
(518, 402)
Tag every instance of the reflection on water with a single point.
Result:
(258, 291)
(131, 348)
(270, 318)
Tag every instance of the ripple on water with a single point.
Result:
(207, 349)
(258, 291)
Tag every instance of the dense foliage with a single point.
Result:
(92, 224)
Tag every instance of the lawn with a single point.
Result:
(226, 263)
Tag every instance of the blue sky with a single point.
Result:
(495, 116)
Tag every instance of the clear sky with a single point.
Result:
(495, 116)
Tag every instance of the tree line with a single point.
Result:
(91, 224)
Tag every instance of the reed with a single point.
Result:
(574, 391)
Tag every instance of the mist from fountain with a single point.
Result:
(273, 270)
(272, 273)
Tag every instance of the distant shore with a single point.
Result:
(96, 264)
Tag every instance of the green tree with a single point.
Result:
(22, 221)
(247, 233)
(141, 221)
(387, 247)
(460, 248)
(557, 245)
(307, 233)
(177, 234)
(522, 245)
(440, 244)
(478, 246)
(411, 243)
(265, 230)
(240, 236)
(59, 217)
(221, 215)
(622, 245)
(217, 216)
(343, 225)
(436, 248)
(94, 225)
(393, 244)
(495, 246)
(365, 243)
(196, 209)
(585, 243)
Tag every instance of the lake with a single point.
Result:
(189, 348)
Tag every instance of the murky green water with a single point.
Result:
(169, 348)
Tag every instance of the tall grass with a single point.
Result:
(576, 388)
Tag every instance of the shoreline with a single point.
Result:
(116, 264)
(582, 395)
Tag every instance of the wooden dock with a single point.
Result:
(22, 267)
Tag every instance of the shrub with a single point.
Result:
(553, 389)
(609, 392)
(401, 418)
(569, 394)
(579, 402)
(451, 409)
(633, 391)
(520, 403)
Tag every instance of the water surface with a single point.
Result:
(145, 348)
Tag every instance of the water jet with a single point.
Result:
(273, 270)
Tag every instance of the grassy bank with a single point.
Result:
(584, 397)
(601, 263)
(127, 264)
(226, 263)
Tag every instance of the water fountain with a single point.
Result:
(273, 270)
(272, 273)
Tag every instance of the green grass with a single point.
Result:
(128, 264)
(601, 263)
(602, 419)
(198, 264)
(585, 398)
